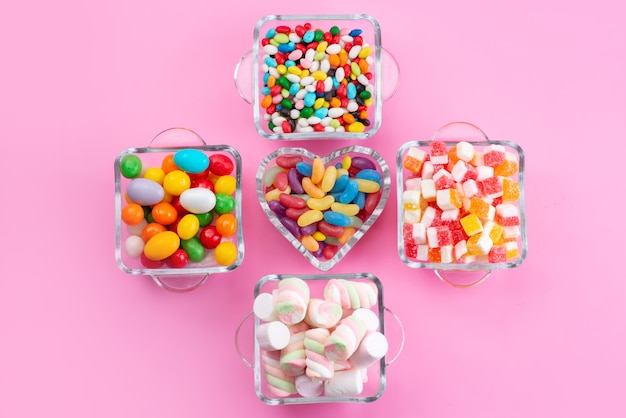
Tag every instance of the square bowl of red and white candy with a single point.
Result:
(461, 204)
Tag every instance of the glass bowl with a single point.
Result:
(374, 376)
(325, 250)
(223, 223)
(317, 76)
(469, 219)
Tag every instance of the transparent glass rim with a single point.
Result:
(460, 266)
(185, 270)
(380, 310)
(354, 149)
(377, 107)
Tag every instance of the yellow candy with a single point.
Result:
(188, 226)
(319, 236)
(281, 69)
(471, 224)
(175, 182)
(323, 203)
(226, 185)
(348, 232)
(368, 186)
(309, 217)
(155, 174)
(275, 193)
(311, 189)
(319, 75)
(319, 103)
(346, 163)
(294, 69)
(225, 253)
(329, 178)
(365, 51)
(321, 47)
(356, 127)
(511, 250)
(348, 209)
(161, 245)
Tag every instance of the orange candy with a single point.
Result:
(168, 164)
(164, 213)
(132, 214)
(226, 224)
(151, 230)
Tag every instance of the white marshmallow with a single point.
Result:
(428, 216)
(370, 319)
(263, 307)
(272, 335)
(344, 383)
(450, 214)
(511, 232)
(427, 170)
(459, 170)
(411, 197)
(373, 347)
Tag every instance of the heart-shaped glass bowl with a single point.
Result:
(332, 246)
(280, 78)
(509, 233)
(376, 380)
(192, 274)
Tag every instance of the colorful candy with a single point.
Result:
(458, 202)
(182, 210)
(329, 360)
(322, 206)
(316, 80)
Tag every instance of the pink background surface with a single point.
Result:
(82, 81)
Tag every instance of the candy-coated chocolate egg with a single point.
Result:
(176, 182)
(134, 246)
(224, 203)
(225, 253)
(161, 245)
(130, 166)
(188, 226)
(220, 164)
(209, 237)
(191, 160)
(132, 214)
(164, 213)
(193, 248)
(177, 260)
(145, 192)
(226, 224)
(198, 200)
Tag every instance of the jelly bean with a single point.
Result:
(164, 213)
(329, 230)
(226, 185)
(281, 181)
(291, 225)
(306, 169)
(270, 175)
(168, 164)
(330, 251)
(275, 193)
(156, 174)
(224, 203)
(132, 214)
(323, 203)
(177, 260)
(310, 243)
(295, 181)
(162, 245)
(350, 192)
(151, 230)
(371, 201)
(369, 174)
(225, 253)
(329, 178)
(317, 170)
(355, 222)
(209, 237)
(130, 166)
(226, 224)
(367, 186)
(134, 246)
(311, 189)
(191, 160)
(145, 192)
(176, 182)
(346, 209)
(278, 208)
(188, 226)
(194, 249)
(151, 264)
(198, 200)
(296, 213)
(220, 165)
(291, 201)
(204, 218)
(336, 218)
(203, 183)
(340, 184)
(309, 217)
(363, 163)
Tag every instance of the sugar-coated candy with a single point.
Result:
(460, 203)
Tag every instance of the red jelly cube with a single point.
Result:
(497, 254)
(410, 248)
(438, 148)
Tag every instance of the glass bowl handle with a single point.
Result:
(176, 137)
(241, 356)
(244, 80)
(461, 285)
(397, 319)
(180, 283)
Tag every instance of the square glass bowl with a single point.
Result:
(329, 249)
(508, 227)
(317, 76)
(225, 250)
(375, 381)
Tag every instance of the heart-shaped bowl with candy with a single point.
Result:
(317, 76)
(323, 205)
(461, 204)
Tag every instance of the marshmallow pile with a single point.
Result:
(460, 204)
(318, 346)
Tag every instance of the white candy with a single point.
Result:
(450, 214)
(333, 49)
(444, 199)
(507, 210)
(340, 74)
(370, 319)
(305, 81)
(428, 216)
(412, 216)
(354, 51)
(344, 383)
(293, 78)
(427, 170)
(325, 66)
(446, 254)
(335, 112)
(428, 189)
(470, 188)
(511, 232)
(431, 236)
(307, 387)
(414, 183)
(328, 84)
(465, 151)
(459, 171)
(411, 197)
(484, 172)
(363, 80)
(419, 233)
(422, 252)
(353, 106)
(439, 159)
(134, 246)
(263, 307)
(270, 49)
(373, 347)
(460, 249)
(484, 243)
(272, 335)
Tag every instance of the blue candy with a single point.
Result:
(351, 91)
(369, 174)
(321, 113)
(336, 218)
(359, 200)
(340, 183)
(306, 169)
(309, 99)
(355, 32)
(350, 192)
(308, 36)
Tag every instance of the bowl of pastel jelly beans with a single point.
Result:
(320, 338)
(323, 205)
(317, 77)
(461, 204)
(178, 210)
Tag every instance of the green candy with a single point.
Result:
(147, 213)
(283, 82)
(223, 204)
(286, 103)
(334, 30)
(130, 166)
(306, 112)
(365, 95)
(205, 218)
(194, 249)
(319, 35)
(281, 38)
